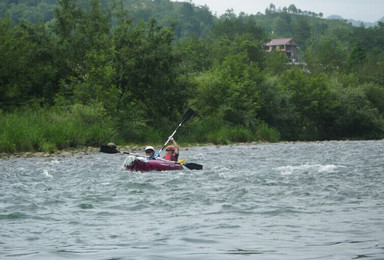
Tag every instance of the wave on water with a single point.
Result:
(47, 174)
(13, 216)
(320, 200)
(308, 169)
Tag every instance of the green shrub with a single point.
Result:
(48, 147)
(266, 133)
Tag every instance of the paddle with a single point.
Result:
(185, 118)
(109, 148)
(193, 166)
(181, 161)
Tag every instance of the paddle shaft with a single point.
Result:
(186, 117)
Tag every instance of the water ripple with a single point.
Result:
(319, 200)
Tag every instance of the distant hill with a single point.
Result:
(42, 10)
(187, 17)
(354, 22)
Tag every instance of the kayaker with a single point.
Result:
(172, 151)
(151, 154)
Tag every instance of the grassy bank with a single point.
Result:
(41, 130)
(52, 130)
(216, 131)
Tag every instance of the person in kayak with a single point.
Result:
(172, 151)
(151, 154)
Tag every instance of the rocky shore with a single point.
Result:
(69, 152)
(80, 151)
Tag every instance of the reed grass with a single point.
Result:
(216, 131)
(50, 130)
(42, 130)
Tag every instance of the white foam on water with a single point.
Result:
(46, 173)
(330, 168)
(307, 168)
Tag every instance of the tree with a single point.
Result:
(371, 70)
(292, 9)
(27, 73)
(357, 117)
(70, 49)
(356, 57)
(326, 55)
(282, 25)
(146, 69)
(229, 91)
(276, 62)
(277, 109)
(314, 102)
(302, 31)
(238, 35)
(229, 26)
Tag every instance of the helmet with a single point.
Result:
(149, 148)
(170, 148)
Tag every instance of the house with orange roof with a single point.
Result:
(287, 45)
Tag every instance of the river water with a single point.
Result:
(321, 200)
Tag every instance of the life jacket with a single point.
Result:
(153, 156)
(171, 157)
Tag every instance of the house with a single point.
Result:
(287, 45)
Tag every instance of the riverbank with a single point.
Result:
(125, 149)
(80, 151)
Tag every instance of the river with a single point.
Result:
(320, 200)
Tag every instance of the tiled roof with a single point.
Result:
(284, 41)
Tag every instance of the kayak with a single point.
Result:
(137, 163)
(141, 164)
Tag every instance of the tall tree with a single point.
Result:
(27, 72)
(356, 57)
(146, 68)
(302, 31)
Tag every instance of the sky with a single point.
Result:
(361, 10)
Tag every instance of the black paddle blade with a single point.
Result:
(187, 115)
(193, 166)
(108, 149)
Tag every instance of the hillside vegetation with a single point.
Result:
(87, 72)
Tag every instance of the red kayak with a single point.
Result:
(141, 164)
(136, 163)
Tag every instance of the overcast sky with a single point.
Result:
(363, 10)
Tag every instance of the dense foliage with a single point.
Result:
(88, 72)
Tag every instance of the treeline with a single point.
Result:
(96, 73)
(183, 17)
